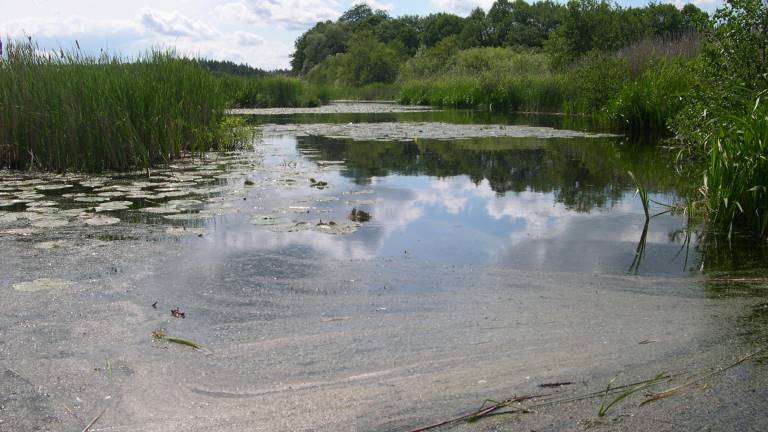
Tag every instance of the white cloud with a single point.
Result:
(55, 27)
(288, 14)
(376, 5)
(175, 24)
(461, 7)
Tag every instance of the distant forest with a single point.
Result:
(228, 67)
(372, 45)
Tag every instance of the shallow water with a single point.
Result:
(482, 267)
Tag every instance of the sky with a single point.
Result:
(256, 32)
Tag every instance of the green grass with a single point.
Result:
(736, 180)
(489, 91)
(273, 91)
(67, 110)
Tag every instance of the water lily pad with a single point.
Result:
(161, 210)
(20, 231)
(141, 195)
(185, 204)
(291, 227)
(361, 202)
(336, 228)
(182, 231)
(173, 194)
(54, 244)
(53, 187)
(42, 204)
(91, 199)
(8, 218)
(74, 195)
(12, 202)
(262, 219)
(42, 284)
(101, 221)
(50, 223)
(111, 194)
(187, 216)
(113, 206)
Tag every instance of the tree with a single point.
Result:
(475, 31)
(438, 26)
(370, 61)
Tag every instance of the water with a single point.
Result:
(488, 266)
(550, 204)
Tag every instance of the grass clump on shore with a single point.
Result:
(273, 91)
(68, 110)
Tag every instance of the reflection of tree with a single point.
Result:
(582, 174)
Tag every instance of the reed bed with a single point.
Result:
(273, 91)
(736, 180)
(72, 111)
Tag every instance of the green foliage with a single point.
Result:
(736, 181)
(71, 111)
(595, 79)
(370, 61)
(649, 102)
(272, 91)
(437, 27)
(725, 122)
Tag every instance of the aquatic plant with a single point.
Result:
(69, 110)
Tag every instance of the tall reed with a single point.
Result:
(736, 179)
(69, 110)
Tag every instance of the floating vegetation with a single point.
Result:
(187, 216)
(422, 130)
(53, 187)
(49, 223)
(317, 184)
(101, 221)
(161, 210)
(359, 216)
(113, 206)
(361, 202)
(20, 231)
(261, 219)
(336, 228)
(184, 231)
(53, 244)
(42, 284)
(91, 199)
(160, 336)
(291, 227)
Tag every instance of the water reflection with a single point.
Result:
(535, 204)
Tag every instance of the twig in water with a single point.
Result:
(95, 419)
(694, 381)
(626, 393)
(482, 412)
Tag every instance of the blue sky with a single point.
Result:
(257, 32)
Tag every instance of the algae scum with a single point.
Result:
(370, 271)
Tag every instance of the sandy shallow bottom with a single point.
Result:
(296, 343)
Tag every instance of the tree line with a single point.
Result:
(367, 46)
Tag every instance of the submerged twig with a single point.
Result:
(95, 419)
(697, 380)
(482, 412)
(159, 334)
